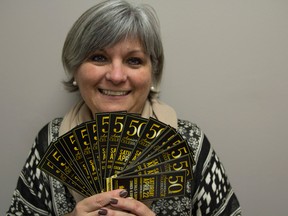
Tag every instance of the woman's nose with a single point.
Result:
(116, 73)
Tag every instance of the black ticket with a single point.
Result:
(181, 163)
(150, 187)
(134, 125)
(102, 120)
(152, 130)
(93, 139)
(68, 146)
(116, 127)
(84, 145)
(161, 140)
(174, 152)
(55, 164)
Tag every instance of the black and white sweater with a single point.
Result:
(209, 193)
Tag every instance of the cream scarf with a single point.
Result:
(81, 113)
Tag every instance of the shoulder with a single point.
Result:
(190, 131)
(187, 128)
(195, 137)
(48, 133)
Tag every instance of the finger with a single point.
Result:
(98, 201)
(113, 212)
(131, 205)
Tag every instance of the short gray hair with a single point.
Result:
(107, 23)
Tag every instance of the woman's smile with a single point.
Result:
(113, 92)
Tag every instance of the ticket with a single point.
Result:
(153, 186)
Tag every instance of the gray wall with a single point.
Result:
(226, 70)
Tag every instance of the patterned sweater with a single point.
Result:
(209, 193)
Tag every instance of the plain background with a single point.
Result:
(226, 70)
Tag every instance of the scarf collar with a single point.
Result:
(80, 113)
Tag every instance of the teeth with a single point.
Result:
(113, 93)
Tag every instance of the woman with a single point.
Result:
(113, 55)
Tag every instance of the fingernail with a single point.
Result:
(113, 201)
(123, 193)
(102, 212)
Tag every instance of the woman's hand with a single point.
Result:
(92, 204)
(111, 203)
(126, 207)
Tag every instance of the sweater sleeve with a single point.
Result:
(213, 194)
(209, 192)
(32, 194)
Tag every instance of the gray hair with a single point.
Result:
(107, 23)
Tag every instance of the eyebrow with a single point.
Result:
(132, 51)
(137, 51)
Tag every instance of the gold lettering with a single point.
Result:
(112, 153)
(124, 155)
(176, 185)
(55, 155)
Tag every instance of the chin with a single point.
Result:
(113, 109)
(116, 107)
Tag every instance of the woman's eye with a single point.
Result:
(98, 58)
(134, 61)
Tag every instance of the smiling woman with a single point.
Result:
(113, 56)
(113, 22)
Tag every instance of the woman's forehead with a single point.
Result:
(128, 43)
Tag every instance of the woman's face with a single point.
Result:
(116, 78)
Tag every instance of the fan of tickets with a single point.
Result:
(148, 158)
